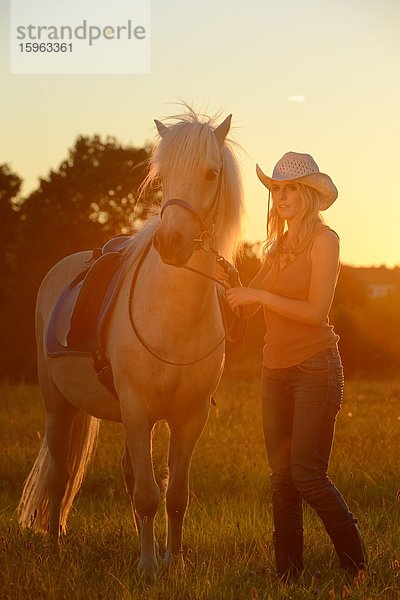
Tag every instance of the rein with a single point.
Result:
(140, 338)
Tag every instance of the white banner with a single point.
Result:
(75, 36)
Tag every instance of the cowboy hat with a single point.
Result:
(294, 165)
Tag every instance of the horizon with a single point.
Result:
(26, 191)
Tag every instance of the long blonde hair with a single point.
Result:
(304, 226)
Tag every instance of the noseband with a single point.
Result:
(184, 204)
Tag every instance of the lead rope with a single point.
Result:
(234, 281)
(207, 244)
(141, 340)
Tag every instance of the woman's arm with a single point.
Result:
(223, 274)
(325, 261)
(251, 309)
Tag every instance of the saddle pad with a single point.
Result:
(79, 314)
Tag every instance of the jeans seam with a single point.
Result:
(323, 414)
(312, 371)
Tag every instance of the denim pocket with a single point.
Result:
(318, 363)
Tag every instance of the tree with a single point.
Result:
(10, 184)
(89, 199)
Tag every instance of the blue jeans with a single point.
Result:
(299, 407)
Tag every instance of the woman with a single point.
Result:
(302, 383)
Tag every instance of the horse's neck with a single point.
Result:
(180, 291)
(195, 287)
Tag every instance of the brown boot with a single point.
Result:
(289, 555)
(349, 548)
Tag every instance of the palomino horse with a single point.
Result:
(164, 342)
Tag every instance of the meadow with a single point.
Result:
(228, 529)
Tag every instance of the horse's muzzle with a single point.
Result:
(174, 250)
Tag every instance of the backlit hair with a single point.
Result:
(303, 226)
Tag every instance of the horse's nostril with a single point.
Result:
(176, 240)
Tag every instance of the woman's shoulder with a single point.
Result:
(325, 244)
(324, 234)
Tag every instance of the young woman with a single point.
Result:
(302, 384)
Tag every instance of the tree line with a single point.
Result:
(91, 197)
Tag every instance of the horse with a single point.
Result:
(164, 341)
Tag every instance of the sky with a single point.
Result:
(311, 76)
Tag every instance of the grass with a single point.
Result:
(228, 553)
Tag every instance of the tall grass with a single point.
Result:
(228, 527)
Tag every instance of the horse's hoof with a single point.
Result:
(54, 547)
(173, 561)
(148, 569)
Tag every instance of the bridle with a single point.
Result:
(190, 207)
(205, 242)
(206, 239)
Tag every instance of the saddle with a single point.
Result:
(79, 317)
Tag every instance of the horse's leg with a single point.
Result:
(182, 443)
(146, 493)
(44, 489)
(130, 484)
(58, 431)
(60, 466)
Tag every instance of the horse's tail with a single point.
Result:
(33, 508)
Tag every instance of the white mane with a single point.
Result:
(191, 143)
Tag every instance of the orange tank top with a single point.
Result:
(289, 342)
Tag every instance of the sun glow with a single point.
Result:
(302, 99)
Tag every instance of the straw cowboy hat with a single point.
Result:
(294, 165)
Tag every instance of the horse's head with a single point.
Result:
(188, 161)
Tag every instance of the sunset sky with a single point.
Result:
(311, 76)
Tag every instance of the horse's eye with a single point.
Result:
(211, 173)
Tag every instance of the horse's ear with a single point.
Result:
(161, 128)
(222, 131)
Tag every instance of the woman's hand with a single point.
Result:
(226, 272)
(238, 296)
(220, 273)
